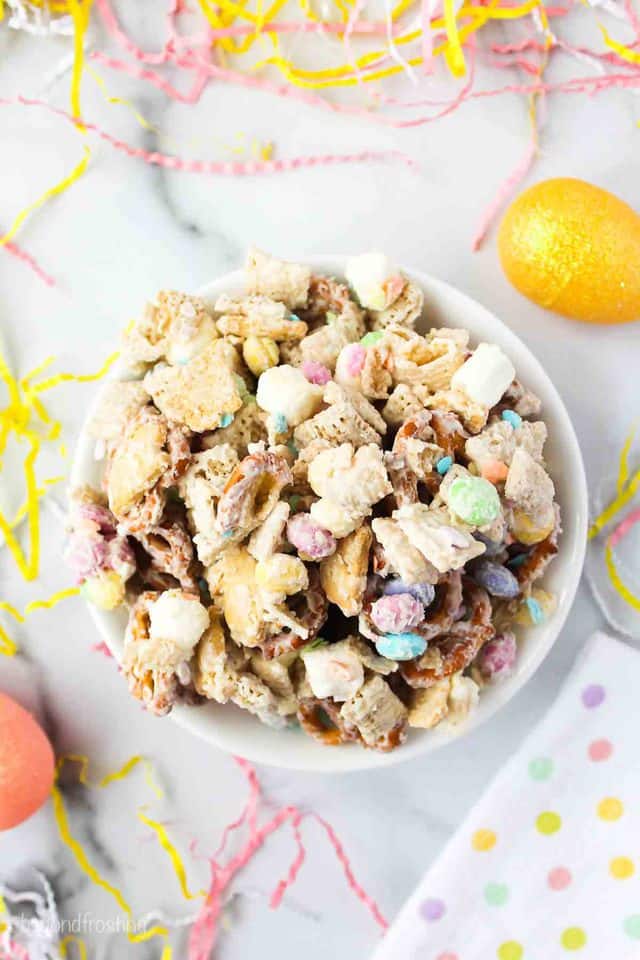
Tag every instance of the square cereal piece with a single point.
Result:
(138, 461)
(404, 311)
(119, 404)
(198, 394)
(258, 316)
(278, 279)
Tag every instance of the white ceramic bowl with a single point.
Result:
(239, 732)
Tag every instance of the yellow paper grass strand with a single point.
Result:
(74, 377)
(616, 581)
(176, 861)
(453, 54)
(80, 944)
(54, 191)
(631, 56)
(82, 859)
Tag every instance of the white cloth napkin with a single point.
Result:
(547, 864)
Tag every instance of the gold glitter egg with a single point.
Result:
(574, 248)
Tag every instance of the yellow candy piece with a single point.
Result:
(574, 248)
(282, 574)
(105, 590)
(526, 531)
(260, 353)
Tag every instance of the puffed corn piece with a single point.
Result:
(281, 575)
(260, 353)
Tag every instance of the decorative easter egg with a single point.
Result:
(26, 764)
(574, 248)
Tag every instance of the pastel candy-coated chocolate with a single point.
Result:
(401, 646)
(496, 579)
(474, 500)
(27, 764)
(497, 658)
(396, 613)
(424, 592)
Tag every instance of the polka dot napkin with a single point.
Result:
(547, 864)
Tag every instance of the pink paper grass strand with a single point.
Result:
(356, 887)
(505, 191)
(294, 869)
(624, 527)
(30, 262)
(216, 167)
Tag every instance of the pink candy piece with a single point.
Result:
(86, 555)
(393, 287)
(95, 545)
(310, 539)
(316, 372)
(355, 356)
(396, 613)
(494, 471)
(497, 658)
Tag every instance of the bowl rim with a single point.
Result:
(345, 758)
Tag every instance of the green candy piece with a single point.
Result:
(474, 500)
(372, 337)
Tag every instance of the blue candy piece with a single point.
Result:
(226, 419)
(294, 318)
(423, 592)
(443, 465)
(401, 646)
(496, 579)
(518, 560)
(280, 423)
(513, 418)
(535, 610)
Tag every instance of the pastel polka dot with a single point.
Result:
(483, 840)
(593, 695)
(600, 750)
(559, 878)
(432, 909)
(496, 894)
(632, 926)
(510, 950)
(573, 938)
(447, 956)
(611, 808)
(621, 868)
(541, 768)
(548, 823)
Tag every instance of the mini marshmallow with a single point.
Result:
(285, 390)
(375, 281)
(334, 671)
(485, 376)
(178, 619)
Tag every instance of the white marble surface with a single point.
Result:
(127, 229)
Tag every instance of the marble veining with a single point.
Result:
(121, 233)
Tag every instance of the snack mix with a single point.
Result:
(313, 511)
